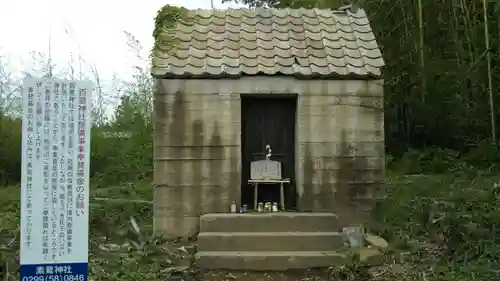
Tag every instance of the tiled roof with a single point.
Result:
(299, 42)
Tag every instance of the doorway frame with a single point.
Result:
(297, 178)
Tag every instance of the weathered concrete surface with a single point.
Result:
(260, 261)
(341, 150)
(269, 241)
(339, 153)
(270, 222)
(197, 151)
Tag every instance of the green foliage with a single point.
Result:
(483, 158)
(120, 155)
(456, 214)
(120, 152)
(9, 232)
(10, 150)
(442, 210)
(437, 92)
(121, 176)
(122, 244)
(166, 19)
(354, 270)
(440, 227)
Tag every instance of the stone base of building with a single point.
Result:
(269, 241)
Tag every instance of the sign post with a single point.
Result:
(55, 180)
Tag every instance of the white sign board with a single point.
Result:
(265, 170)
(55, 180)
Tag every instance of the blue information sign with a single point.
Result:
(55, 272)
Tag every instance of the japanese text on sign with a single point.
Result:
(55, 164)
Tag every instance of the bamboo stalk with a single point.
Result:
(468, 28)
(456, 26)
(490, 82)
(422, 54)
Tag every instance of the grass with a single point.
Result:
(122, 246)
(441, 227)
(445, 227)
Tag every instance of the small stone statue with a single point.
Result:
(268, 152)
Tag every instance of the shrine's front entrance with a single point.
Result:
(268, 122)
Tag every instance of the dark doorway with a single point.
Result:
(268, 120)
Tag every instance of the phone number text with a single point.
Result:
(55, 277)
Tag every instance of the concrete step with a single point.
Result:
(262, 261)
(269, 241)
(269, 222)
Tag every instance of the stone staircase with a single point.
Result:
(269, 241)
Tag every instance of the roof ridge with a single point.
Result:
(350, 11)
(342, 9)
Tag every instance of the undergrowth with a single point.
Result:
(441, 217)
(122, 244)
(442, 227)
(442, 224)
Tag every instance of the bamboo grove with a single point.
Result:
(442, 79)
(443, 68)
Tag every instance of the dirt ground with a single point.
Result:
(290, 275)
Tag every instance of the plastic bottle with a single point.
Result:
(233, 207)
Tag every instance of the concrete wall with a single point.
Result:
(197, 156)
(340, 146)
(341, 149)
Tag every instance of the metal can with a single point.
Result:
(269, 206)
(275, 207)
(260, 207)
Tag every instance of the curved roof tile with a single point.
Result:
(296, 42)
